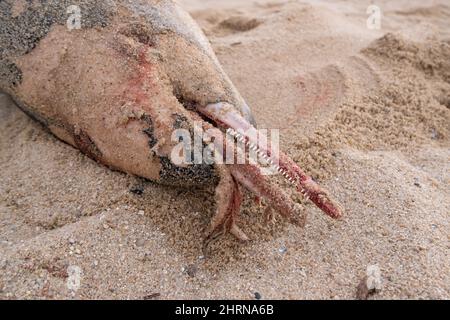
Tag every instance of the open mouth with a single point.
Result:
(225, 125)
(228, 119)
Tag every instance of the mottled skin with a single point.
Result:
(118, 87)
(119, 64)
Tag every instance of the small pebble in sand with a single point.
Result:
(141, 212)
(374, 278)
(137, 190)
(152, 296)
(140, 242)
(282, 249)
(434, 134)
(190, 270)
(258, 296)
(145, 256)
(370, 284)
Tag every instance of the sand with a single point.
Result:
(366, 112)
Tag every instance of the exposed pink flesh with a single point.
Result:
(227, 117)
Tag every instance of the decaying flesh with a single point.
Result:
(118, 87)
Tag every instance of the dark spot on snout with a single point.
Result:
(180, 122)
(150, 131)
(170, 174)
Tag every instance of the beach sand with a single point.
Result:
(366, 112)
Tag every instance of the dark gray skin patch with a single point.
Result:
(10, 75)
(19, 35)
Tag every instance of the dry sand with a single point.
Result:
(366, 112)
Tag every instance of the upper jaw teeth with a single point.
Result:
(240, 137)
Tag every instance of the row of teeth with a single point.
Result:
(255, 148)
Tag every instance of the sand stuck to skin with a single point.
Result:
(365, 112)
